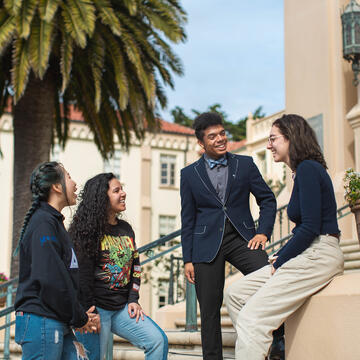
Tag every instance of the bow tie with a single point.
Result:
(212, 163)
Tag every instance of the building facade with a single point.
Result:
(149, 172)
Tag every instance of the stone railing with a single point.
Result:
(258, 129)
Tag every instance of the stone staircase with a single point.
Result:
(351, 250)
(187, 345)
(182, 345)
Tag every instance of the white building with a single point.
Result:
(149, 172)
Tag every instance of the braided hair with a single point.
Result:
(42, 178)
(90, 221)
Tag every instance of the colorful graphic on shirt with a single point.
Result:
(137, 271)
(118, 253)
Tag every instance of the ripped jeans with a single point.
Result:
(43, 338)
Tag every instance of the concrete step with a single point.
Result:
(225, 323)
(346, 242)
(352, 265)
(182, 345)
(134, 354)
(352, 256)
(347, 271)
(185, 339)
(350, 248)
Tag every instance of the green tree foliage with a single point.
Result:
(109, 58)
(236, 130)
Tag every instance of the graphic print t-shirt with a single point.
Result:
(117, 273)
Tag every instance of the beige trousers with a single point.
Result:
(260, 302)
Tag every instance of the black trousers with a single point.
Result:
(209, 285)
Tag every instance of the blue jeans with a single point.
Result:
(44, 338)
(91, 343)
(144, 334)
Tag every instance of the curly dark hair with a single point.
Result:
(91, 218)
(303, 144)
(42, 178)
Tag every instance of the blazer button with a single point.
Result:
(220, 229)
(225, 208)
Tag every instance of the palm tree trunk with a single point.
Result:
(33, 126)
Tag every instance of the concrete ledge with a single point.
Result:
(327, 326)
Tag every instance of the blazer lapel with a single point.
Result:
(200, 169)
(233, 163)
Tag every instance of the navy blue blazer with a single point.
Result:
(203, 214)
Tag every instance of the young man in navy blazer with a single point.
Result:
(217, 225)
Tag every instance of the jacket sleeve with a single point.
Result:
(309, 186)
(188, 216)
(57, 289)
(87, 279)
(135, 277)
(265, 199)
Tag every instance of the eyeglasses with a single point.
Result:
(271, 139)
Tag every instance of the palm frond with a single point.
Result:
(21, 68)
(150, 53)
(131, 5)
(168, 57)
(108, 16)
(5, 81)
(66, 59)
(120, 71)
(25, 17)
(13, 6)
(7, 29)
(133, 55)
(47, 9)
(72, 27)
(97, 58)
(40, 41)
(84, 14)
(165, 18)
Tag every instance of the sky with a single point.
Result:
(234, 55)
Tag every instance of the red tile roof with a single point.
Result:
(170, 127)
(165, 126)
(76, 115)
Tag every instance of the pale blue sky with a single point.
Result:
(234, 56)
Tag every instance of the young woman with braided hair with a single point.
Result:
(110, 268)
(46, 301)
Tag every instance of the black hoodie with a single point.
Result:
(48, 277)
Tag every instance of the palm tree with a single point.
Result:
(109, 58)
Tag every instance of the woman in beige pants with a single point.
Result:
(261, 301)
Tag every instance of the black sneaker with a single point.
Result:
(277, 349)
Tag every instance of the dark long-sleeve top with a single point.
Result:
(48, 276)
(113, 278)
(312, 207)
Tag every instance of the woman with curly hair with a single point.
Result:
(259, 302)
(110, 267)
(46, 301)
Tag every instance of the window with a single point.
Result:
(113, 164)
(162, 301)
(167, 170)
(166, 225)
